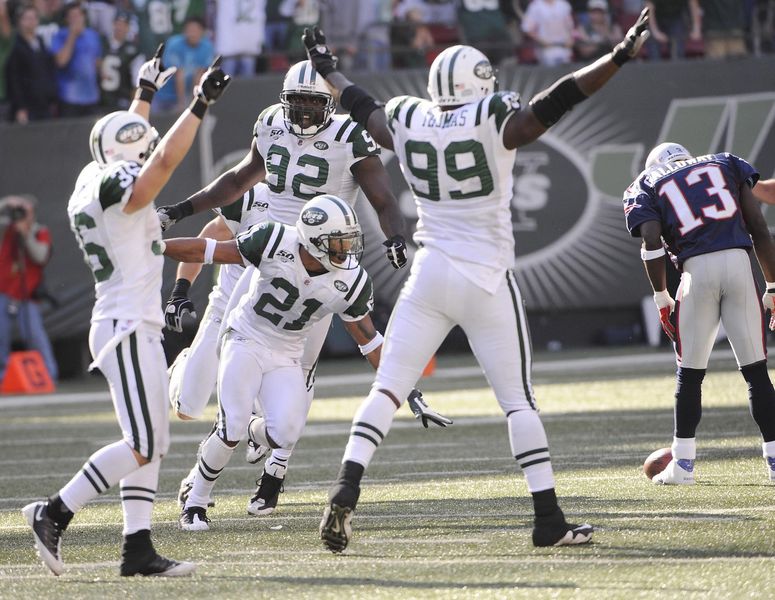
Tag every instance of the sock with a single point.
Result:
(531, 449)
(105, 468)
(370, 426)
(57, 511)
(545, 504)
(684, 448)
(346, 489)
(215, 456)
(138, 491)
(768, 449)
(688, 401)
(761, 398)
(277, 463)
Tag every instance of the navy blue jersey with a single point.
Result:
(697, 201)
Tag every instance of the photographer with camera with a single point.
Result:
(25, 247)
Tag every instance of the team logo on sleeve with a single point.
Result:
(313, 216)
(321, 145)
(341, 286)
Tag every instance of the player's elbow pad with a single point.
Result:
(548, 106)
(358, 103)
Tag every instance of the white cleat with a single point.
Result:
(194, 519)
(770, 460)
(677, 472)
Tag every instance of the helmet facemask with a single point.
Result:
(339, 250)
(306, 113)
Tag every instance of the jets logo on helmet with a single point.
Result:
(122, 135)
(329, 230)
(314, 216)
(459, 75)
(306, 100)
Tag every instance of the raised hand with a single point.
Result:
(212, 84)
(319, 54)
(152, 75)
(634, 39)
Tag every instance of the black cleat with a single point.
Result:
(554, 530)
(47, 535)
(267, 493)
(194, 518)
(335, 528)
(138, 557)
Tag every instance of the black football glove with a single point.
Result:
(425, 413)
(171, 214)
(212, 84)
(634, 39)
(178, 306)
(319, 54)
(396, 251)
(152, 75)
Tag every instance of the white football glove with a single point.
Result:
(768, 302)
(424, 412)
(152, 75)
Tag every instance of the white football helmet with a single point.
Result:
(307, 101)
(328, 228)
(459, 75)
(122, 135)
(666, 153)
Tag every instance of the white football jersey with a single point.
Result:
(298, 169)
(284, 300)
(239, 216)
(461, 177)
(122, 250)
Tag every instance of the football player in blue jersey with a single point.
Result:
(703, 212)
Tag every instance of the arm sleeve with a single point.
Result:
(117, 184)
(638, 208)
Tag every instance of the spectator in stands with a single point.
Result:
(484, 27)
(670, 23)
(121, 60)
(276, 28)
(549, 24)
(77, 51)
(49, 13)
(374, 35)
(303, 14)
(411, 37)
(599, 35)
(723, 25)
(30, 72)
(340, 21)
(6, 40)
(25, 247)
(101, 16)
(191, 52)
(160, 19)
(239, 35)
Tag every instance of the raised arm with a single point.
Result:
(362, 107)
(178, 140)
(549, 105)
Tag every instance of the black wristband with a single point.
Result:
(620, 55)
(181, 288)
(144, 94)
(358, 103)
(198, 108)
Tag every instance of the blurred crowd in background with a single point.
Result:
(61, 59)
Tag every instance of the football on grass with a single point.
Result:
(657, 461)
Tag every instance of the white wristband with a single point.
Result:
(373, 344)
(769, 285)
(209, 250)
(651, 254)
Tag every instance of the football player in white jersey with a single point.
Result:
(304, 274)
(299, 149)
(457, 155)
(113, 218)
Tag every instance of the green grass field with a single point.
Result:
(442, 513)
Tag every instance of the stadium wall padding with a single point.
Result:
(573, 252)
